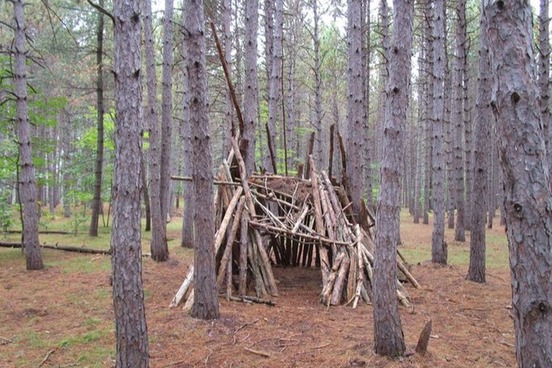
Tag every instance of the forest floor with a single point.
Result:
(63, 317)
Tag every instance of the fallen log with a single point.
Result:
(67, 248)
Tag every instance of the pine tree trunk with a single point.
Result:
(27, 178)
(166, 116)
(516, 106)
(483, 116)
(205, 298)
(126, 247)
(186, 137)
(355, 105)
(438, 245)
(458, 118)
(97, 200)
(158, 245)
(251, 94)
(388, 334)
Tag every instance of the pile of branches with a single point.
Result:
(267, 220)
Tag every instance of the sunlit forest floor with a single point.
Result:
(62, 316)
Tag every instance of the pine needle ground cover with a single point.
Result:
(63, 317)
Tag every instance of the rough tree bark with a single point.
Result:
(166, 115)
(275, 81)
(483, 115)
(205, 300)
(158, 245)
(458, 118)
(438, 245)
(97, 200)
(388, 334)
(27, 177)
(528, 194)
(355, 104)
(126, 260)
(251, 93)
(544, 74)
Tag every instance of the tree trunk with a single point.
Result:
(126, 260)
(483, 116)
(275, 81)
(516, 106)
(355, 105)
(205, 298)
(97, 200)
(251, 94)
(458, 118)
(388, 334)
(158, 245)
(438, 245)
(27, 178)
(166, 116)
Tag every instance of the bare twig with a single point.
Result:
(248, 324)
(46, 357)
(258, 352)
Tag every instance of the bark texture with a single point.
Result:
(528, 196)
(126, 248)
(205, 300)
(158, 246)
(355, 104)
(388, 334)
(438, 245)
(97, 200)
(458, 118)
(251, 93)
(483, 116)
(27, 178)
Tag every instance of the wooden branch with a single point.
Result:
(228, 80)
(330, 163)
(244, 240)
(67, 248)
(258, 352)
(183, 288)
(215, 181)
(309, 153)
(251, 207)
(102, 10)
(285, 231)
(219, 236)
(271, 150)
(252, 299)
(230, 241)
(300, 218)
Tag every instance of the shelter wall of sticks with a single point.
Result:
(266, 220)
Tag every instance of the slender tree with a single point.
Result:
(126, 248)
(388, 334)
(457, 116)
(27, 179)
(483, 115)
(205, 301)
(516, 106)
(158, 245)
(166, 116)
(251, 93)
(97, 200)
(438, 245)
(275, 81)
(355, 104)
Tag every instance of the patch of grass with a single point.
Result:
(83, 264)
(10, 254)
(97, 356)
(36, 340)
(85, 338)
